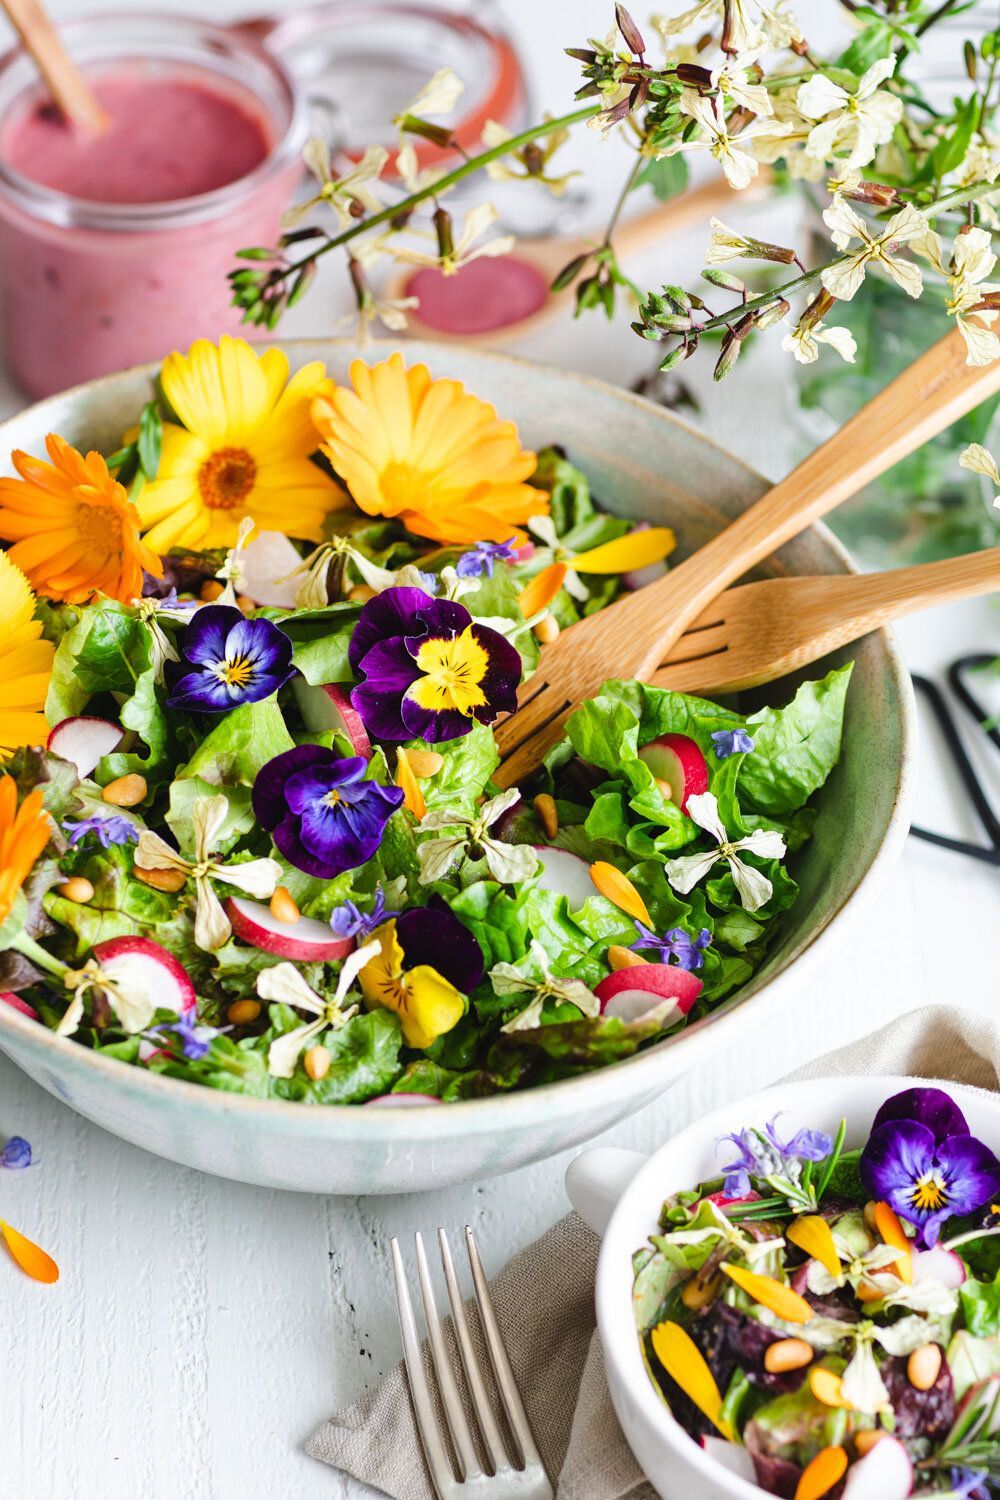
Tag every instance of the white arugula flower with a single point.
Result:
(843, 278)
(858, 123)
(465, 248)
(438, 96)
(523, 979)
(741, 35)
(972, 261)
(161, 647)
(859, 1256)
(545, 529)
(805, 338)
(980, 461)
(781, 28)
(731, 80)
(753, 887)
(341, 193)
(231, 571)
(730, 151)
(284, 983)
(507, 863)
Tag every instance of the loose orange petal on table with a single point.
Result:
(33, 1261)
(617, 888)
(539, 593)
(684, 1363)
(889, 1227)
(626, 553)
(819, 1477)
(813, 1235)
(780, 1299)
(828, 1388)
(413, 797)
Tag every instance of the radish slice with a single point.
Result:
(83, 741)
(638, 578)
(631, 993)
(730, 1456)
(404, 1101)
(146, 979)
(885, 1473)
(566, 874)
(269, 557)
(307, 940)
(16, 1003)
(329, 707)
(677, 760)
(940, 1265)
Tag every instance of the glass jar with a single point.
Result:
(89, 287)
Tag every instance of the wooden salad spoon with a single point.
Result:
(61, 76)
(760, 631)
(633, 636)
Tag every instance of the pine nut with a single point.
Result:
(924, 1366)
(666, 790)
(78, 889)
(169, 881)
(547, 814)
(623, 958)
(696, 1294)
(361, 593)
(547, 630)
(870, 1216)
(243, 1012)
(424, 763)
(246, 604)
(127, 791)
(864, 1442)
(787, 1354)
(317, 1063)
(210, 590)
(283, 907)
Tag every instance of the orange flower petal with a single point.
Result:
(819, 1477)
(813, 1235)
(637, 550)
(413, 797)
(684, 1363)
(774, 1295)
(616, 887)
(33, 1261)
(828, 1388)
(542, 589)
(889, 1227)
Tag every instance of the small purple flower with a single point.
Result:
(429, 669)
(729, 742)
(322, 813)
(195, 1040)
(675, 944)
(765, 1154)
(111, 830)
(969, 1484)
(15, 1155)
(805, 1145)
(235, 661)
(737, 1172)
(922, 1161)
(483, 557)
(349, 921)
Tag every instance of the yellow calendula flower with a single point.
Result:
(25, 663)
(430, 453)
(242, 450)
(427, 1004)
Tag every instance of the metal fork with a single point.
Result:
(523, 1479)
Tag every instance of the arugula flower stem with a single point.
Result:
(31, 950)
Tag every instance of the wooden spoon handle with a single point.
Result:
(62, 77)
(935, 391)
(863, 603)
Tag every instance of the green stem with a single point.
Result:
(629, 183)
(967, 1239)
(831, 1161)
(31, 950)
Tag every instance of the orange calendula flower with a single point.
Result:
(889, 1227)
(25, 663)
(30, 1257)
(772, 1294)
(684, 1363)
(74, 530)
(813, 1235)
(429, 452)
(24, 832)
(413, 797)
(616, 887)
(822, 1474)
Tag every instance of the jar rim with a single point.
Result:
(64, 210)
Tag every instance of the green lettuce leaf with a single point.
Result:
(795, 748)
(981, 1307)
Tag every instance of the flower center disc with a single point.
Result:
(237, 672)
(930, 1193)
(100, 529)
(455, 670)
(402, 485)
(226, 478)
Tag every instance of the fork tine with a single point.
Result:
(506, 1383)
(451, 1401)
(431, 1440)
(495, 1447)
(694, 644)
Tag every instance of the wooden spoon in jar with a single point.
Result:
(67, 85)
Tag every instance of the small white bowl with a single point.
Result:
(620, 1195)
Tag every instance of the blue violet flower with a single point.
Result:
(483, 557)
(322, 813)
(234, 661)
(676, 944)
(114, 829)
(15, 1154)
(349, 921)
(195, 1039)
(729, 742)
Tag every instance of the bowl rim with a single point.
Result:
(589, 1090)
(613, 1284)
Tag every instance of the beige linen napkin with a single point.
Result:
(547, 1315)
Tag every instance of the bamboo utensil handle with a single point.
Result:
(62, 77)
(873, 599)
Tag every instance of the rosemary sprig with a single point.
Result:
(830, 1165)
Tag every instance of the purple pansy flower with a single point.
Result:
(483, 557)
(111, 830)
(15, 1155)
(434, 936)
(429, 669)
(349, 921)
(323, 815)
(922, 1161)
(729, 742)
(235, 660)
(675, 944)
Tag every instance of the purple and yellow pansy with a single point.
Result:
(231, 659)
(324, 814)
(429, 962)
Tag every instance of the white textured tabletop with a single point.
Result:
(202, 1329)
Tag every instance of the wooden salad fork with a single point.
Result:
(760, 631)
(632, 637)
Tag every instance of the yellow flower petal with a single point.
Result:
(813, 1235)
(25, 663)
(413, 797)
(889, 1227)
(30, 1257)
(774, 1295)
(539, 593)
(426, 1003)
(617, 888)
(637, 550)
(24, 833)
(686, 1365)
(820, 1476)
(828, 1388)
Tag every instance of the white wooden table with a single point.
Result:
(202, 1329)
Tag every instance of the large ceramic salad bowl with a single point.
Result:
(642, 463)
